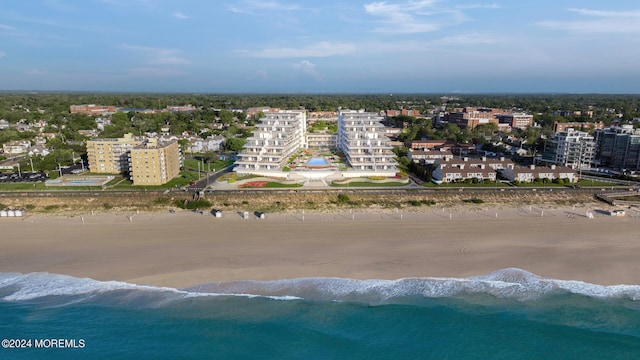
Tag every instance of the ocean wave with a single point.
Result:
(509, 284)
(23, 287)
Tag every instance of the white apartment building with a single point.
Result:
(571, 148)
(361, 138)
(278, 136)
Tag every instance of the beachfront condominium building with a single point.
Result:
(111, 156)
(154, 162)
(618, 148)
(571, 148)
(147, 161)
(276, 138)
(361, 138)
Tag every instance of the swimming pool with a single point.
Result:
(96, 182)
(82, 181)
(316, 161)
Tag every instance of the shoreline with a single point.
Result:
(185, 249)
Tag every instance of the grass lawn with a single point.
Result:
(368, 184)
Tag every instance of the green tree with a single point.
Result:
(209, 157)
(226, 117)
(120, 120)
(234, 144)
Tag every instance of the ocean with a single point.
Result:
(509, 314)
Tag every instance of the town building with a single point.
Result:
(181, 108)
(322, 140)
(515, 120)
(276, 138)
(428, 144)
(361, 138)
(16, 147)
(211, 143)
(406, 112)
(571, 113)
(429, 156)
(154, 162)
(469, 118)
(532, 173)
(475, 169)
(442, 145)
(572, 148)
(147, 161)
(91, 109)
(111, 156)
(618, 148)
(582, 126)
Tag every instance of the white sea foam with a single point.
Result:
(503, 284)
(37, 285)
(20, 287)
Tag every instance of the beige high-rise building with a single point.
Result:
(154, 163)
(111, 156)
(147, 161)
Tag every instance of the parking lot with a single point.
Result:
(22, 177)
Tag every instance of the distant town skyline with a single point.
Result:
(281, 46)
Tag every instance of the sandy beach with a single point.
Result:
(186, 248)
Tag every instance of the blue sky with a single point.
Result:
(321, 46)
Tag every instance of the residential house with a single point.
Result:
(89, 133)
(531, 173)
(38, 150)
(429, 156)
(211, 143)
(16, 147)
(480, 169)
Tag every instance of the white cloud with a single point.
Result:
(2, 54)
(479, 6)
(306, 67)
(598, 22)
(253, 6)
(631, 14)
(418, 16)
(319, 49)
(401, 17)
(181, 16)
(158, 56)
